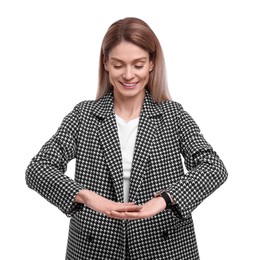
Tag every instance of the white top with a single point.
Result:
(127, 131)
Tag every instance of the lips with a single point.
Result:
(129, 85)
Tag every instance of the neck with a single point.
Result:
(128, 108)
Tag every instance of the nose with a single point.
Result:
(128, 74)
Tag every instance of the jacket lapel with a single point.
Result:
(147, 129)
(108, 135)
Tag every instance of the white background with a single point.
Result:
(49, 52)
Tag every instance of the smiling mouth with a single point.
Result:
(129, 85)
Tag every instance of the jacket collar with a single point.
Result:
(104, 106)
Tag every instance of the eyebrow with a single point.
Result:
(135, 60)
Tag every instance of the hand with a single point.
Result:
(103, 205)
(149, 209)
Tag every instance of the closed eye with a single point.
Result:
(117, 66)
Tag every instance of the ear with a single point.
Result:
(106, 65)
(151, 65)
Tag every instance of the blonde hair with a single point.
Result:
(135, 31)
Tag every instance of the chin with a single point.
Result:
(131, 92)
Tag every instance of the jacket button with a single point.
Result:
(165, 235)
(89, 238)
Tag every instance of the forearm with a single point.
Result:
(198, 183)
(82, 196)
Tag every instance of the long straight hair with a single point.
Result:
(138, 32)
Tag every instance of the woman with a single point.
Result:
(130, 198)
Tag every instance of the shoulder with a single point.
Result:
(83, 109)
(85, 106)
(98, 108)
(171, 108)
(175, 111)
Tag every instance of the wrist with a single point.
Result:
(82, 196)
(169, 201)
(161, 202)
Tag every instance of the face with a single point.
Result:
(128, 66)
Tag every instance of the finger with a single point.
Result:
(134, 215)
(117, 215)
(127, 215)
(127, 204)
(130, 208)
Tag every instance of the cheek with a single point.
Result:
(145, 72)
(145, 75)
(114, 75)
(113, 78)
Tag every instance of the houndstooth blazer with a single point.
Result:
(165, 134)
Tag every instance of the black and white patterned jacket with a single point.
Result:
(165, 133)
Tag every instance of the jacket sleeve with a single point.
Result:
(205, 170)
(46, 172)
